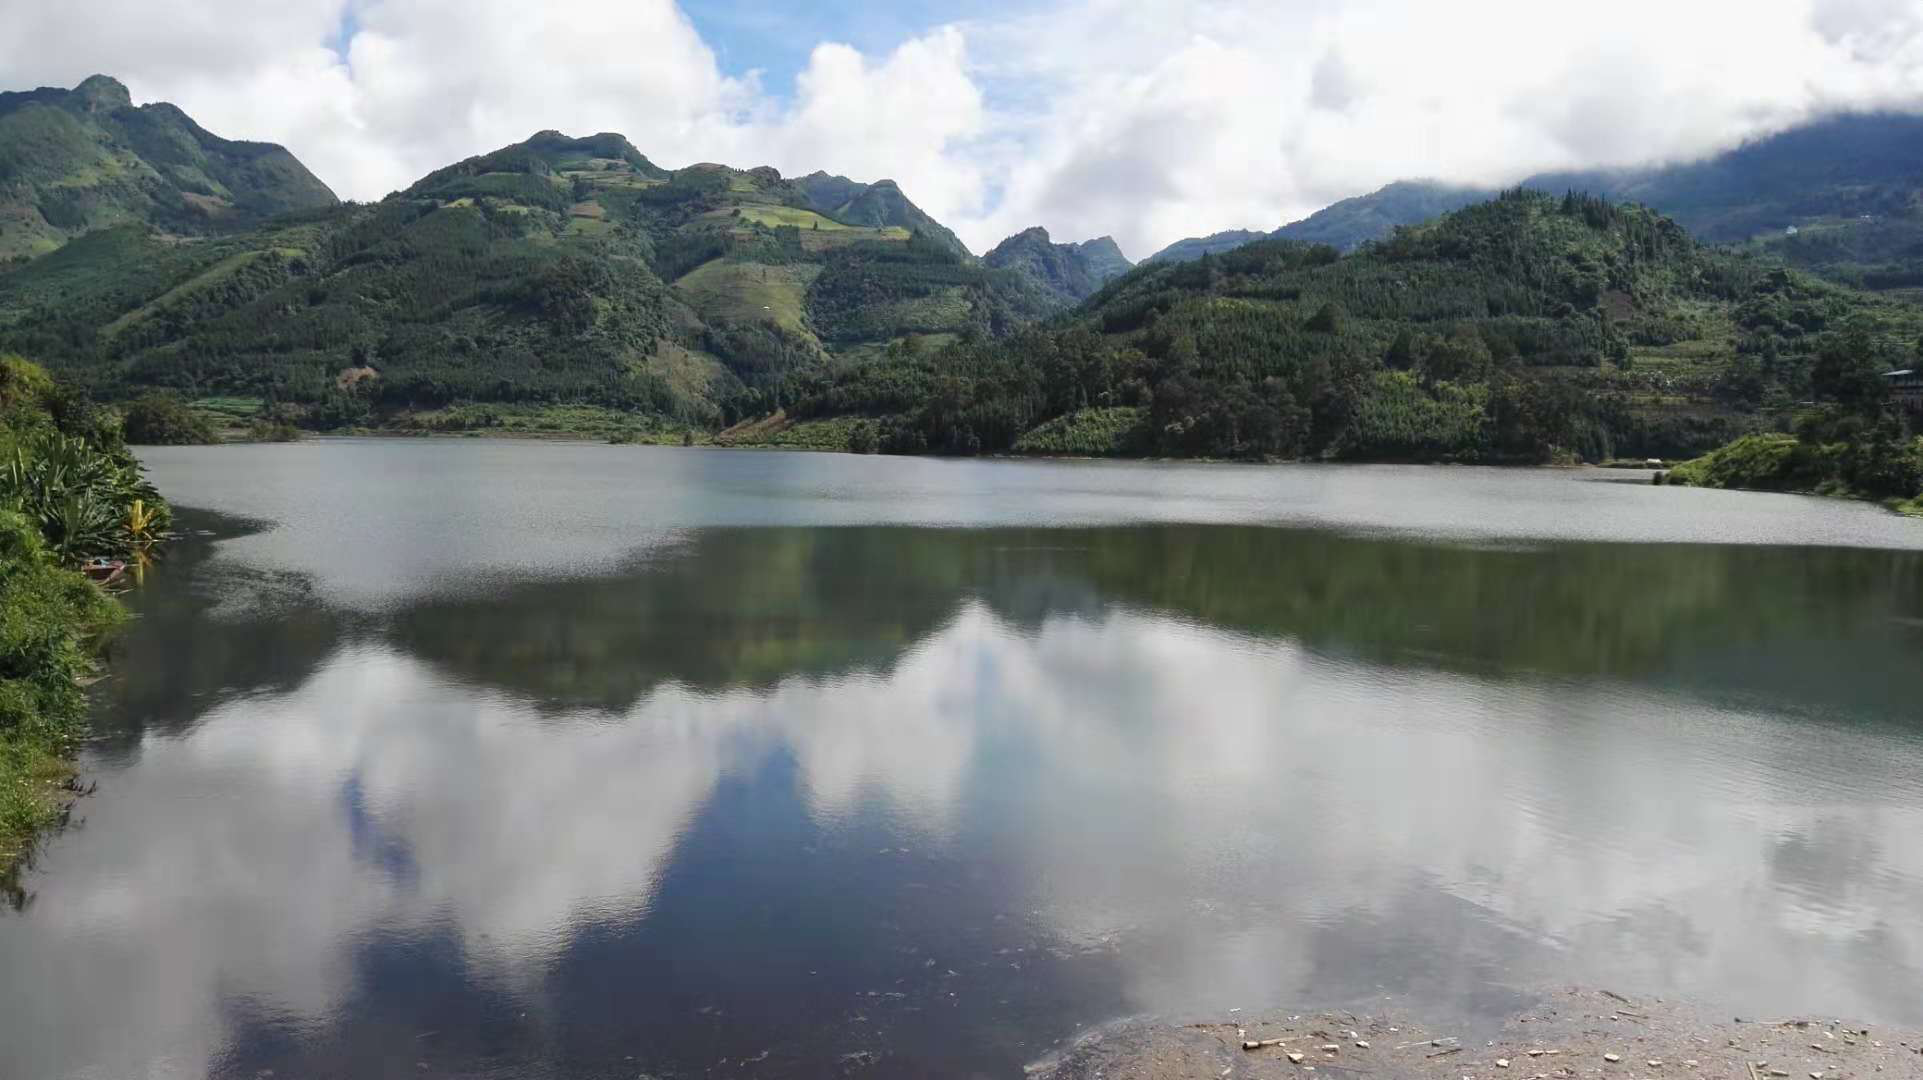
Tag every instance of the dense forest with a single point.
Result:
(1072, 272)
(69, 490)
(1840, 197)
(572, 284)
(72, 161)
(1529, 328)
(1846, 441)
(557, 271)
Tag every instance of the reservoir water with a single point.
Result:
(487, 758)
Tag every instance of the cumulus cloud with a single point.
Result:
(1205, 851)
(1248, 116)
(1150, 120)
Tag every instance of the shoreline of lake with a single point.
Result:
(915, 767)
(1558, 1033)
(1660, 474)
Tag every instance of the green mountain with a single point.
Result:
(557, 271)
(1103, 257)
(72, 161)
(1840, 168)
(1525, 329)
(879, 205)
(1197, 246)
(1842, 197)
(1071, 272)
(1349, 224)
(572, 282)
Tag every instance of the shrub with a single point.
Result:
(161, 419)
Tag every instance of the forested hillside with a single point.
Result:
(1841, 197)
(572, 283)
(1530, 328)
(1197, 246)
(72, 161)
(69, 491)
(1349, 224)
(558, 271)
(1071, 272)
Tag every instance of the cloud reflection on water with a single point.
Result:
(1225, 819)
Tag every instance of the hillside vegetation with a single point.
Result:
(572, 284)
(558, 271)
(72, 161)
(1847, 441)
(1841, 197)
(1526, 329)
(1070, 272)
(68, 490)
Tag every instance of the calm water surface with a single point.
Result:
(507, 759)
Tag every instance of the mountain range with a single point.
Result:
(555, 270)
(570, 273)
(1842, 197)
(72, 161)
(1071, 272)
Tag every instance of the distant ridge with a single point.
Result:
(72, 161)
(1071, 272)
(559, 269)
(1850, 185)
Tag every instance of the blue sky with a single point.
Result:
(1149, 120)
(776, 39)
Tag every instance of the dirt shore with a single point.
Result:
(1572, 1033)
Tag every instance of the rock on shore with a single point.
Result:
(1565, 1034)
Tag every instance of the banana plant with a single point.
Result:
(141, 524)
(86, 501)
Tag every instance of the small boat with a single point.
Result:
(102, 570)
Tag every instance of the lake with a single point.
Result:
(489, 758)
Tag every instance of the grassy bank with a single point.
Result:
(51, 619)
(1889, 470)
(69, 490)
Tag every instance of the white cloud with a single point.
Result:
(1148, 120)
(1197, 117)
(1245, 833)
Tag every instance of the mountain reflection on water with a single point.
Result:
(907, 801)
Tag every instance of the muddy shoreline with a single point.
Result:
(1563, 1034)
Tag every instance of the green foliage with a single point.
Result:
(1838, 197)
(159, 419)
(49, 618)
(64, 467)
(845, 433)
(68, 489)
(1505, 332)
(1400, 418)
(572, 274)
(1833, 454)
(1109, 431)
(1349, 224)
(1772, 462)
(536, 276)
(74, 161)
(1070, 272)
(877, 291)
(1852, 442)
(77, 495)
(1213, 244)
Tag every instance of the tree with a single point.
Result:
(162, 419)
(1328, 319)
(1848, 372)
